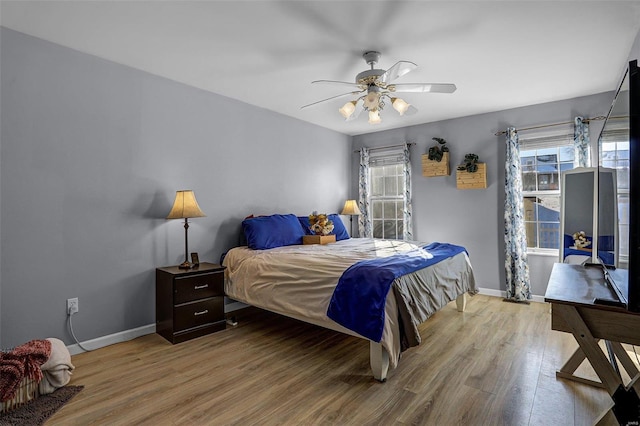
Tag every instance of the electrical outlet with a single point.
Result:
(72, 306)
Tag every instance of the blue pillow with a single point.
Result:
(304, 222)
(338, 228)
(265, 232)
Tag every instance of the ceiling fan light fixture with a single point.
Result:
(374, 117)
(348, 109)
(400, 105)
(376, 87)
(372, 100)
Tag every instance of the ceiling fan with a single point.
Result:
(373, 86)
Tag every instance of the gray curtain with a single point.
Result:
(515, 236)
(364, 220)
(408, 221)
(581, 143)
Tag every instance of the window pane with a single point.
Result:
(529, 209)
(390, 185)
(376, 209)
(527, 158)
(623, 224)
(623, 209)
(389, 210)
(623, 155)
(376, 186)
(390, 229)
(548, 181)
(622, 175)
(549, 233)
(548, 208)
(400, 210)
(528, 181)
(400, 234)
(607, 148)
(547, 167)
(542, 221)
(566, 166)
(545, 152)
(624, 240)
(567, 153)
(399, 185)
(532, 234)
(377, 228)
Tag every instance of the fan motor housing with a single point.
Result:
(369, 77)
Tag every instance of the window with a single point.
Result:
(543, 160)
(387, 196)
(614, 154)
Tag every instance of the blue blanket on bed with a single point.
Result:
(359, 298)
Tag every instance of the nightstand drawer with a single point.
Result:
(197, 287)
(198, 313)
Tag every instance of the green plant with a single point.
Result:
(437, 151)
(470, 163)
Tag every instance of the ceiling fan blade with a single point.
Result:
(397, 70)
(333, 97)
(411, 110)
(338, 83)
(422, 88)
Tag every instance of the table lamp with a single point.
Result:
(351, 208)
(184, 207)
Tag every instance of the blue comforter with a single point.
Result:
(359, 299)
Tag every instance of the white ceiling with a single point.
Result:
(500, 55)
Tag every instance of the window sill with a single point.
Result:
(543, 252)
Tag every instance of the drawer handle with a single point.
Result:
(206, 311)
(198, 287)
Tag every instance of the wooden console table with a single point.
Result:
(571, 292)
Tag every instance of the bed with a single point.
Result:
(302, 281)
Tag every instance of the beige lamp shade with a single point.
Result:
(185, 206)
(351, 208)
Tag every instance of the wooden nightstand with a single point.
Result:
(189, 302)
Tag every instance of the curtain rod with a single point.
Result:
(600, 117)
(385, 147)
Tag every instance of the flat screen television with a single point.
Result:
(619, 148)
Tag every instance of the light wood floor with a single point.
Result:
(493, 364)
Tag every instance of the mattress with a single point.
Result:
(299, 280)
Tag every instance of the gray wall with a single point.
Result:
(92, 153)
(475, 218)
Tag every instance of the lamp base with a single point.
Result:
(185, 265)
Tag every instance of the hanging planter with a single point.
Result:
(436, 161)
(471, 174)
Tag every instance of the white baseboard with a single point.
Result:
(503, 294)
(111, 339)
(123, 336)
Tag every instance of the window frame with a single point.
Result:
(536, 143)
(380, 160)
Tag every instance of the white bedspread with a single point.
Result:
(298, 281)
